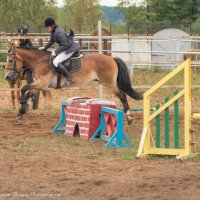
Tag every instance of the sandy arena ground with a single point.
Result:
(35, 164)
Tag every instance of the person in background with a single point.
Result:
(22, 31)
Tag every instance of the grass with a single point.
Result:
(150, 77)
(6, 110)
(70, 145)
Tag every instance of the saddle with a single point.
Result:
(72, 64)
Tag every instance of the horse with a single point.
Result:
(16, 80)
(106, 46)
(108, 71)
(12, 83)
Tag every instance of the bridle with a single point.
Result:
(14, 60)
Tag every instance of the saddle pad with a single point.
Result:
(73, 64)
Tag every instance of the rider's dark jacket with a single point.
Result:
(66, 42)
(27, 71)
(25, 43)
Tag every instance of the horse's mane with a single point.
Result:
(35, 50)
(29, 48)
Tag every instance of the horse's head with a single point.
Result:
(14, 64)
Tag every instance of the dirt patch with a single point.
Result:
(35, 164)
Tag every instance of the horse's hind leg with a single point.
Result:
(47, 98)
(35, 99)
(122, 97)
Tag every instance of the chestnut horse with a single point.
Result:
(110, 72)
(16, 78)
(15, 95)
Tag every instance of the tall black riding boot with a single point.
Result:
(29, 76)
(66, 73)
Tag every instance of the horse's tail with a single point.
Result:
(124, 81)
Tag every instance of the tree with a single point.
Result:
(161, 12)
(82, 13)
(14, 13)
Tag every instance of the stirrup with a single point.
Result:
(68, 81)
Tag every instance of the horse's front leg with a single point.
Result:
(12, 95)
(18, 84)
(25, 95)
(35, 88)
(35, 98)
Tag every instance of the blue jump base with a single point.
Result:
(116, 140)
(60, 127)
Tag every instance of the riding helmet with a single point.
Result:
(22, 30)
(49, 22)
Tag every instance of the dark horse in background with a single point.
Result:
(106, 45)
(14, 74)
(110, 72)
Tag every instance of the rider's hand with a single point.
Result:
(53, 53)
(41, 48)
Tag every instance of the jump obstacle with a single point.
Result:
(147, 144)
(93, 119)
(112, 123)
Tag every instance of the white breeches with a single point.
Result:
(61, 57)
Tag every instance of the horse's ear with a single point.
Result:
(16, 43)
(71, 33)
(9, 44)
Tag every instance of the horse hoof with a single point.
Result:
(129, 117)
(19, 117)
(26, 108)
(35, 107)
(129, 121)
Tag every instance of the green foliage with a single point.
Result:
(196, 27)
(133, 13)
(169, 10)
(159, 14)
(80, 13)
(3, 57)
(30, 13)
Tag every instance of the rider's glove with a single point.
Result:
(53, 53)
(41, 48)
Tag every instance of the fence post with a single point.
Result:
(100, 52)
(131, 57)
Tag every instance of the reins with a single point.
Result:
(21, 60)
(46, 58)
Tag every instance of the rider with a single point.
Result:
(67, 46)
(22, 31)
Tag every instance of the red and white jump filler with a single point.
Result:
(92, 119)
